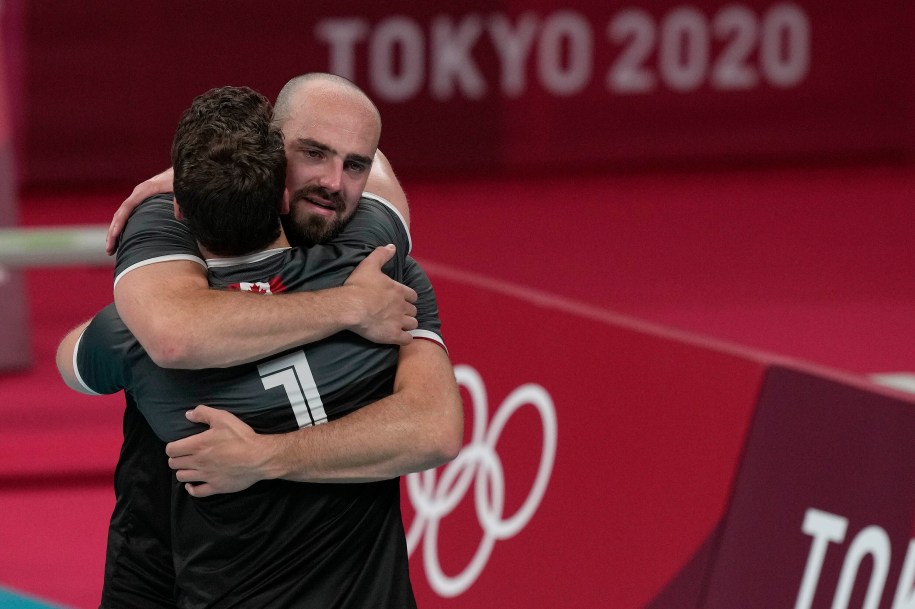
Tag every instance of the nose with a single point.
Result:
(332, 176)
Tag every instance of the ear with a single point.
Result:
(284, 203)
(177, 209)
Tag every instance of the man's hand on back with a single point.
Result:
(226, 458)
(388, 312)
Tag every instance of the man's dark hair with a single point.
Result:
(230, 170)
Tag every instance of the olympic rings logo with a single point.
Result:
(434, 498)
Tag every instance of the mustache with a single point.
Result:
(320, 193)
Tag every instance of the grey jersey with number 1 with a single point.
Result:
(278, 544)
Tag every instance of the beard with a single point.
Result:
(304, 228)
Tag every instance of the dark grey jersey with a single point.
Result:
(277, 544)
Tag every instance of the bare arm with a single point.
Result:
(418, 427)
(182, 323)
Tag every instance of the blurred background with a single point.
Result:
(650, 209)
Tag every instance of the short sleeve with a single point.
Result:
(101, 356)
(376, 222)
(153, 234)
(427, 316)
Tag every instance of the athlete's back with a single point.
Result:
(278, 544)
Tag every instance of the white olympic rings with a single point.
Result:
(434, 498)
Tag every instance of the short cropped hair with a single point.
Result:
(230, 170)
(284, 99)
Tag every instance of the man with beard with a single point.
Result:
(278, 543)
(331, 132)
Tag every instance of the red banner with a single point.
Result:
(598, 459)
(607, 463)
(491, 86)
(611, 463)
(823, 513)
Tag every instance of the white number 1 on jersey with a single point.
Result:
(293, 373)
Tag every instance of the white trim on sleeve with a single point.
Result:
(168, 258)
(426, 334)
(79, 379)
(390, 206)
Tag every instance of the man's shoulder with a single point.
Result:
(150, 214)
(380, 218)
(153, 234)
(156, 204)
(370, 200)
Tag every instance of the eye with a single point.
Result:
(356, 167)
(314, 154)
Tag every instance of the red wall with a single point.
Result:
(481, 85)
(14, 347)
